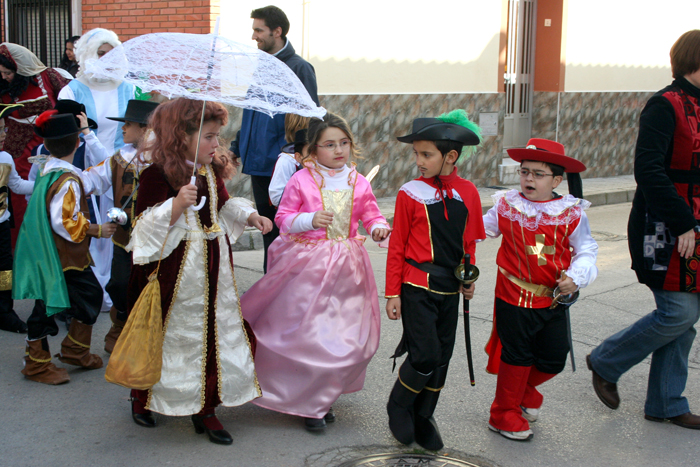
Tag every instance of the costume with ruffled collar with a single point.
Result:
(538, 239)
(432, 226)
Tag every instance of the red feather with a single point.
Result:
(44, 117)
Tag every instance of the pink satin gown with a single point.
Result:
(315, 313)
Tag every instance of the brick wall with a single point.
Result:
(130, 18)
(3, 33)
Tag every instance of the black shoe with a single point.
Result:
(605, 390)
(142, 419)
(400, 406)
(315, 424)
(215, 436)
(10, 322)
(330, 416)
(686, 420)
(427, 434)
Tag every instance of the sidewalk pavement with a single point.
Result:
(599, 191)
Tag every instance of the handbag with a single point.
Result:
(137, 358)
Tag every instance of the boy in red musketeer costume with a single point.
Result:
(546, 244)
(437, 220)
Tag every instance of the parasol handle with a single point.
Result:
(193, 180)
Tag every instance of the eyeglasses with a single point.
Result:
(536, 174)
(331, 146)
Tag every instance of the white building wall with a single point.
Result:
(387, 46)
(624, 46)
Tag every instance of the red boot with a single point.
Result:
(506, 415)
(532, 399)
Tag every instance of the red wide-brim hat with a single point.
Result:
(544, 150)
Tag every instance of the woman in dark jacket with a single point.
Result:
(663, 240)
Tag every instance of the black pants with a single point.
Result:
(119, 281)
(429, 325)
(532, 336)
(261, 194)
(85, 295)
(6, 302)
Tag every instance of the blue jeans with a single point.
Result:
(667, 333)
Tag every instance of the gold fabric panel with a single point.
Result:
(77, 229)
(340, 204)
(5, 280)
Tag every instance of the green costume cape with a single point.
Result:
(37, 271)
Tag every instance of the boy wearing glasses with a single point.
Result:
(546, 245)
(437, 220)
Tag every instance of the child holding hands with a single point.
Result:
(437, 221)
(315, 313)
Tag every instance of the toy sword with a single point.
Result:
(467, 274)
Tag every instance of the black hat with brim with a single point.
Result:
(434, 129)
(137, 111)
(299, 138)
(67, 106)
(7, 109)
(56, 126)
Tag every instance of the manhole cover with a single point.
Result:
(407, 460)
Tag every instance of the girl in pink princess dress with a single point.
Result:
(315, 313)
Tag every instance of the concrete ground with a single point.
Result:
(87, 422)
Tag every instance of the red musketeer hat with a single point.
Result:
(544, 150)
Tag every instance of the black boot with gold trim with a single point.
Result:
(400, 406)
(426, 430)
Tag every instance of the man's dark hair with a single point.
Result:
(61, 147)
(274, 18)
(445, 146)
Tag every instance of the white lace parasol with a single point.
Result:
(207, 67)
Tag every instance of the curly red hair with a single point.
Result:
(172, 124)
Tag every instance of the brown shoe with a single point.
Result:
(75, 348)
(114, 331)
(38, 366)
(605, 390)
(686, 420)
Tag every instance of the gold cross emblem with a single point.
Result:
(540, 249)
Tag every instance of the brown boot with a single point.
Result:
(114, 331)
(75, 348)
(38, 366)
